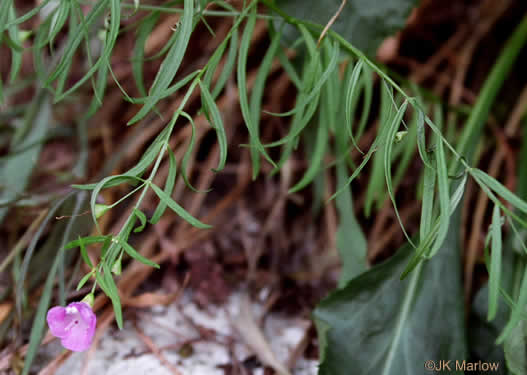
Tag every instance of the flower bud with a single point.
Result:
(100, 209)
(116, 268)
(89, 299)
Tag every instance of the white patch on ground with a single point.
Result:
(123, 352)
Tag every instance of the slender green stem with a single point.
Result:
(126, 196)
(210, 13)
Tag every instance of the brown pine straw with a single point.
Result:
(156, 350)
(331, 22)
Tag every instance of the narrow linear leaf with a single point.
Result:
(142, 219)
(81, 242)
(28, 15)
(13, 34)
(104, 59)
(351, 241)
(499, 189)
(388, 162)
(59, 19)
(367, 89)
(217, 124)
(178, 209)
(318, 85)
(83, 281)
(169, 187)
(427, 204)
(257, 94)
(424, 245)
(143, 32)
(171, 63)
(376, 190)
(229, 64)
(84, 253)
(188, 153)
(242, 89)
(444, 199)
(421, 140)
(495, 264)
(104, 184)
(350, 95)
(37, 329)
(317, 155)
(134, 254)
(72, 46)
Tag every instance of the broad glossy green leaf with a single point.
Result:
(378, 324)
(364, 23)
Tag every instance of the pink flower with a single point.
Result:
(73, 324)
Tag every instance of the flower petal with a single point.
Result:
(57, 321)
(78, 340)
(82, 327)
(85, 312)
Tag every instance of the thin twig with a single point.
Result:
(331, 22)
